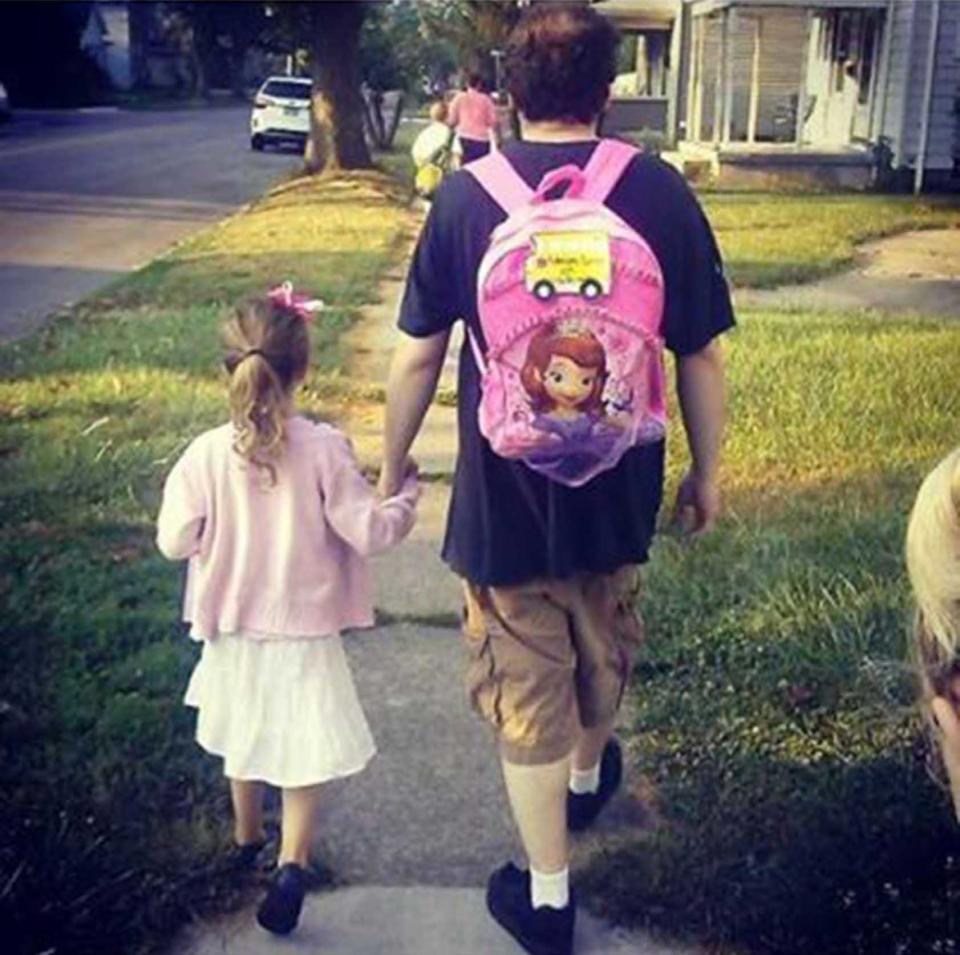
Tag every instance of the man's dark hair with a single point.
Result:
(475, 80)
(560, 62)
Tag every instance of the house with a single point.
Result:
(836, 91)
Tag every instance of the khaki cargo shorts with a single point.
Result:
(550, 656)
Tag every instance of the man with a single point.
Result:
(549, 570)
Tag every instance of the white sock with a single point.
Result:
(549, 888)
(585, 780)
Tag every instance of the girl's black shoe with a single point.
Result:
(243, 858)
(542, 931)
(279, 912)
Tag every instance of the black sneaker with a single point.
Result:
(583, 808)
(542, 931)
(279, 912)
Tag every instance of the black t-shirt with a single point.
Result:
(507, 524)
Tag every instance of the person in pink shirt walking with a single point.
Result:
(276, 519)
(473, 115)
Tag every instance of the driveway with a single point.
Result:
(88, 196)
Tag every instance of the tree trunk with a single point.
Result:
(336, 115)
(140, 19)
(395, 120)
(236, 63)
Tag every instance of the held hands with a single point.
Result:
(697, 507)
(392, 481)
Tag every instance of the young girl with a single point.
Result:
(435, 152)
(933, 563)
(275, 517)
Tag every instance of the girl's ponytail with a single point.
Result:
(267, 351)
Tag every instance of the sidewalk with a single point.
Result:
(416, 835)
(371, 920)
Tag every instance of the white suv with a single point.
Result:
(281, 111)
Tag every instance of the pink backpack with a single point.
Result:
(570, 300)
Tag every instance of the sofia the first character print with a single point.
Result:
(565, 378)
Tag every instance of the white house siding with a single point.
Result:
(893, 91)
(903, 113)
(942, 136)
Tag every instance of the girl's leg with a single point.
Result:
(299, 811)
(247, 797)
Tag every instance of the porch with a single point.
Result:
(644, 93)
(785, 91)
(774, 165)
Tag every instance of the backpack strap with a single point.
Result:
(605, 167)
(500, 180)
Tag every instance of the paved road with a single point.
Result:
(85, 197)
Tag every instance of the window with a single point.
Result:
(287, 89)
(868, 52)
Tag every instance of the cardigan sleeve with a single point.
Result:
(367, 522)
(182, 511)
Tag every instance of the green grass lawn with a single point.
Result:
(110, 821)
(773, 706)
(768, 240)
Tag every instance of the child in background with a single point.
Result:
(473, 114)
(275, 518)
(435, 152)
(933, 563)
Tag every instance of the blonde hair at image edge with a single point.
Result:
(933, 564)
(261, 384)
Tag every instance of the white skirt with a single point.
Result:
(282, 711)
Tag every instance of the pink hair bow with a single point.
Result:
(303, 305)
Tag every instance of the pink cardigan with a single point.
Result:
(280, 561)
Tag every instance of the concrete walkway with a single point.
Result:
(371, 920)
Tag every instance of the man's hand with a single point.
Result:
(414, 371)
(698, 505)
(389, 484)
(700, 389)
